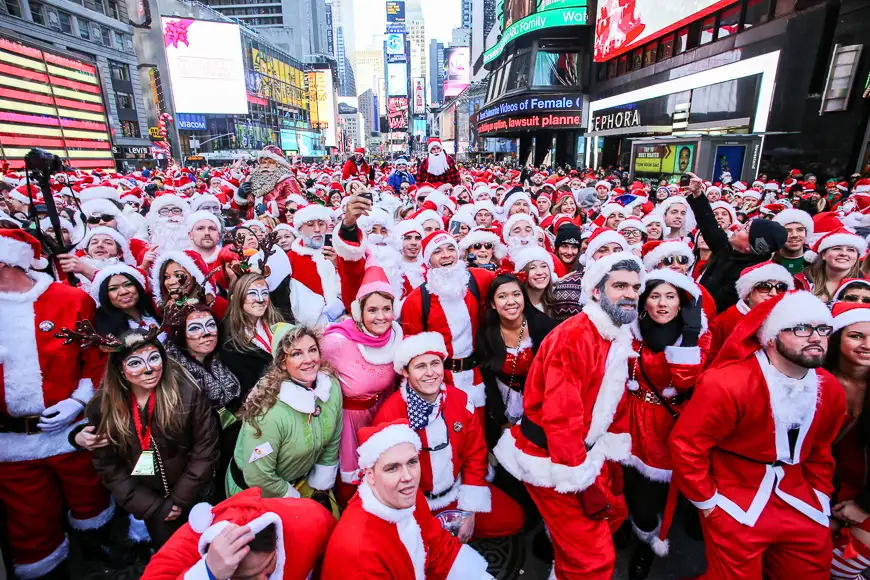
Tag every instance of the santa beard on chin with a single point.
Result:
(390, 259)
(168, 235)
(615, 310)
(449, 282)
(437, 163)
(99, 264)
(518, 244)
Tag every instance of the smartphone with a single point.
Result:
(367, 195)
(685, 180)
(327, 241)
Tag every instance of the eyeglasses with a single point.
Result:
(767, 287)
(807, 330)
(671, 260)
(630, 233)
(486, 245)
(168, 211)
(103, 218)
(855, 298)
(210, 207)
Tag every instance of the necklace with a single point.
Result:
(516, 357)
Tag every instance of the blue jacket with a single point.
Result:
(395, 180)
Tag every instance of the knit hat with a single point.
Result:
(762, 272)
(103, 274)
(20, 249)
(568, 234)
(766, 237)
(655, 251)
(596, 271)
(199, 216)
(374, 280)
(435, 240)
(839, 237)
(535, 254)
(311, 213)
(378, 439)
(846, 313)
(416, 345)
(795, 216)
(119, 239)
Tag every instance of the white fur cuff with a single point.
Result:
(322, 477)
(242, 201)
(347, 251)
(292, 492)
(612, 446)
(468, 565)
(197, 572)
(84, 391)
(683, 355)
(475, 498)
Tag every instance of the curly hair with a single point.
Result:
(265, 394)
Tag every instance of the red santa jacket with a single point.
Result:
(274, 200)
(373, 541)
(728, 451)
(303, 526)
(722, 327)
(573, 391)
(451, 175)
(350, 169)
(458, 326)
(457, 472)
(36, 369)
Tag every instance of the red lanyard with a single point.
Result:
(144, 441)
(267, 345)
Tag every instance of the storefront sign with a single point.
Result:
(154, 132)
(617, 120)
(130, 152)
(527, 122)
(576, 16)
(186, 122)
(532, 104)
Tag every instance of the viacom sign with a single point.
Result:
(574, 16)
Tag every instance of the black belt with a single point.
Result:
(457, 365)
(534, 433)
(27, 425)
(434, 496)
(777, 463)
(518, 384)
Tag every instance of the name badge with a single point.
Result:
(145, 464)
(260, 451)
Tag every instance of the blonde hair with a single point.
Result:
(237, 324)
(817, 274)
(265, 394)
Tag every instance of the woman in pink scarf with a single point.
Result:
(361, 351)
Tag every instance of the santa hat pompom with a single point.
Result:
(201, 518)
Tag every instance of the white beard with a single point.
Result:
(390, 260)
(170, 236)
(449, 283)
(517, 245)
(792, 400)
(437, 163)
(99, 264)
(414, 271)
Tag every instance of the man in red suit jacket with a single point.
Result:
(453, 460)
(387, 530)
(356, 165)
(561, 448)
(752, 449)
(456, 296)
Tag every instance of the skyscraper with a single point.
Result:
(417, 39)
(345, 45)
(467, 6)
(436, 72)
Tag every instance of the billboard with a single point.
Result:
(395, 44)
(543, 20)
(205, 59)
(623, 25)
(397, 113)
(326, 107)
(665, 159)
(458, 74)
(418, 96)
(397, 79)
(395, 11)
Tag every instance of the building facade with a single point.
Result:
(436, 72)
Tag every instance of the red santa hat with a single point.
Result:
(376, 440)
(119, 239)
(201, 215)
(838, 237)
(762, 272)
(678, 281)
(190, 260)
(428, 214)
(689, 222)
(508, 202)
(846, 282)
(165, 200)
(133, 196)
(405, 227)
(862, 186)
(311, 213)
(360, 150)
(374, 280)
(727, 207)
(515, 219)
(202, 199)
(611, 208)
(432, 142)
(602, 237)
(655, 251)
(631, 222)
(596, 272)
(104, 274)
(752, 193)
(21, 194)
(846, 313)
(795, 216)
(99, 192)
(434, 241)
(534, 254)
(20, 249)
(483, 236)
(417, 345)
(654, 218)
(275, 154)
(604, 183)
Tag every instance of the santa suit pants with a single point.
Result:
(34, 493)
(783, 544)
(506, 518)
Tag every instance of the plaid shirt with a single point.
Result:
(450, 176)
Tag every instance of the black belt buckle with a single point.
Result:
(433, 496)
(27, 425)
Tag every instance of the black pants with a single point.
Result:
(646, 499)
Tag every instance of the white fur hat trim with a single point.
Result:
(201, 215)
(746, 283)
(794, 308)
(512, 221)
(482, 237)
(665, 249)
(311, 213)
(105, 273)
(414, 346)
(602, 266)
(850, 317)
(386, 438)
(795, 216)
(535, 254)
(675, 279)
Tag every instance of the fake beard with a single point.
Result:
(437, 163)
(389, 258)
(518, 244)
(263, 180)
(99, 264)
(450, 282)
(169, 235)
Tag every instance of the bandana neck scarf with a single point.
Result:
(419, 410)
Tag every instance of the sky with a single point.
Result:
(440, 16)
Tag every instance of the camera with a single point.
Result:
(43, 161)
(685, 179)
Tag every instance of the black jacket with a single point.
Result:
(725, 263)
(248, 365)
(539, 326)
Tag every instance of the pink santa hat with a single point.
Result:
(374, 280)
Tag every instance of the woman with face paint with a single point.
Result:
(162, 435)
(247, 350)
(180, 276)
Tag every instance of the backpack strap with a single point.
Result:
(426, 298)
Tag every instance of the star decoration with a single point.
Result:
(176, 31)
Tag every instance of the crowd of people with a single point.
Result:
(351, 371)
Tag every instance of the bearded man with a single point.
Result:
(438, 167)
(518, 234)
(269, 184)
(356, 165)
(204, 230)
(166, 225)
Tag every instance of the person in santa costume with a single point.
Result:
(388, 531)
(438, 167)
(835, 257)
(356, 165)
(752, 448)
(410, 234)
(246, 536)
(45, 386)
(453, 461)
(204, 229)
(755, 285)
(799, 226)
(562, 447)
(450, 302)
(269, 184)
(168, 232)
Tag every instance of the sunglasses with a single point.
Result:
(671, 260)
(855, 298)
(486, 245)
(767, 287)
(100, 218)
(290, 210)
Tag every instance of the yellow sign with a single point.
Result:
(195, 158)
(154, 132)
(278, 81)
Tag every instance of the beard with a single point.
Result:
(390, 259)
(100, 263)
(799, 357)
(437, 164)
(449, 282)
(518, 244)
(264, 180)
(170, 235)
(313, 242)
(614, 310)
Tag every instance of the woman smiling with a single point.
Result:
(122, 302)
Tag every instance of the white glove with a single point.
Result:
(60, 416)
(334, 309)
(292, 492)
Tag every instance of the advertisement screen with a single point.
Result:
(419, 127)
(326, 106)
(625, 24)
(418, 94)
(649, 159)
(543, 20)
(395, 44)
(395, 11)
(458, 74)
(205, 58)
(678, 158)
(397, 79)
(397, 113)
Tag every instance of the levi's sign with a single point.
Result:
(532, 104)
(575, 16)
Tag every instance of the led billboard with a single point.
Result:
(544, 20)
(395, 11)
(623, 25)
(205, 66)
(458, 73)
(397, 79)
(397, 113)
(395, 44)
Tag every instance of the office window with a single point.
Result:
(120, 70)
(95, 5)
(519, 73)
(128, 44)
(13, 8)
(65, 22)
(130, 129)
(758, 12)
(649, 54)
(84, 28)
(666, 47)
(611, 68)
(681, 42)
(556, 69)
(729, 20)
(637, 59)
(118, 40)
(125, 100)
(622, 65)
(708, 30)
(37, 11)
(97, 34)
